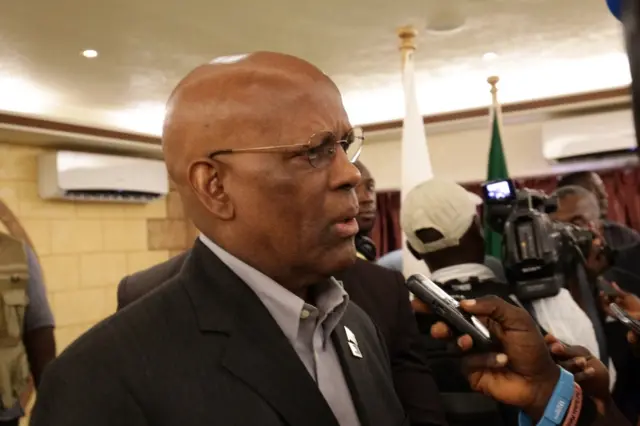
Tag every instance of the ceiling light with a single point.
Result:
(489, 56)
(90, 53)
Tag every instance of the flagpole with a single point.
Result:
(415, 160)
(497, 167)
(407, 36)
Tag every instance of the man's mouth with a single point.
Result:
(367, 214)
(347, 227)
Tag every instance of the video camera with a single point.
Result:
(536, 250)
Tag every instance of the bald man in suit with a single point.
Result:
(381, 294)
(254, 328)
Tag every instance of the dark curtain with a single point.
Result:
(623, 188)
(386, 232)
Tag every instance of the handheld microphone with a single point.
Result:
(448, 309)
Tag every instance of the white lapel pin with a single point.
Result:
(353, 343)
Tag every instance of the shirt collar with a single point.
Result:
(463, 272)
(286, 308)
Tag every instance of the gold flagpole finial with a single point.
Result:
(407, 35)
(493, 81)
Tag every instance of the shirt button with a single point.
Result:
(304, 314)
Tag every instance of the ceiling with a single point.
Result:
(544, 48)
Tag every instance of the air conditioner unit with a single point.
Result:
(81, 176)
(595, 137)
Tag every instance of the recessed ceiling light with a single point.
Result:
(489, 56)
(90, 53)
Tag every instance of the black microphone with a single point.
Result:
(448, 309)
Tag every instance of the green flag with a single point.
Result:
(497, 170)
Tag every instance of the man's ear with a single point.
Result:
(206, 181)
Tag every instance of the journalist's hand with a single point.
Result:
(523, 375)
(627, 301)
(630, 303)
(420, 307)
(634, 338)
(588, 371)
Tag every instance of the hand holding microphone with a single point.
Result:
(522, 373)
(513, 363)
(625, 307)
(588, 371)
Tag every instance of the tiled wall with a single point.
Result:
(85, 248)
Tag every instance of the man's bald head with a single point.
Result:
(237, 102)
(284, 200)
(577, 205)
(590, 181)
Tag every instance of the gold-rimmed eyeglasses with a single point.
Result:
(320, 149)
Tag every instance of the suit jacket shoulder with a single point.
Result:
(136, 285)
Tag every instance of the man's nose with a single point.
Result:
(344, 173)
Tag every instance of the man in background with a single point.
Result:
(36, 338)
(616, 235)
(580, 207)
(366, 191)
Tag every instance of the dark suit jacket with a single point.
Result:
(203, 350)
(381, 293)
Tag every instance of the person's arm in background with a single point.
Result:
(412, 376)
(524, 374)
(391, 260)
(631, 304)
(618, 236)
(38, 336)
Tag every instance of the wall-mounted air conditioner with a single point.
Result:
(589, 138)
(68, 175)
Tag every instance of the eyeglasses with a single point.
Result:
(320, 149)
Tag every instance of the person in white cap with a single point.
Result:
(440, 220)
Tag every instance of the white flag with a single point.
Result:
(416, 162)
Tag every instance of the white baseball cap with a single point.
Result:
(442, 205)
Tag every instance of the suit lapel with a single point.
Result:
(266, 362)
(355, 370)
(257, 352)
